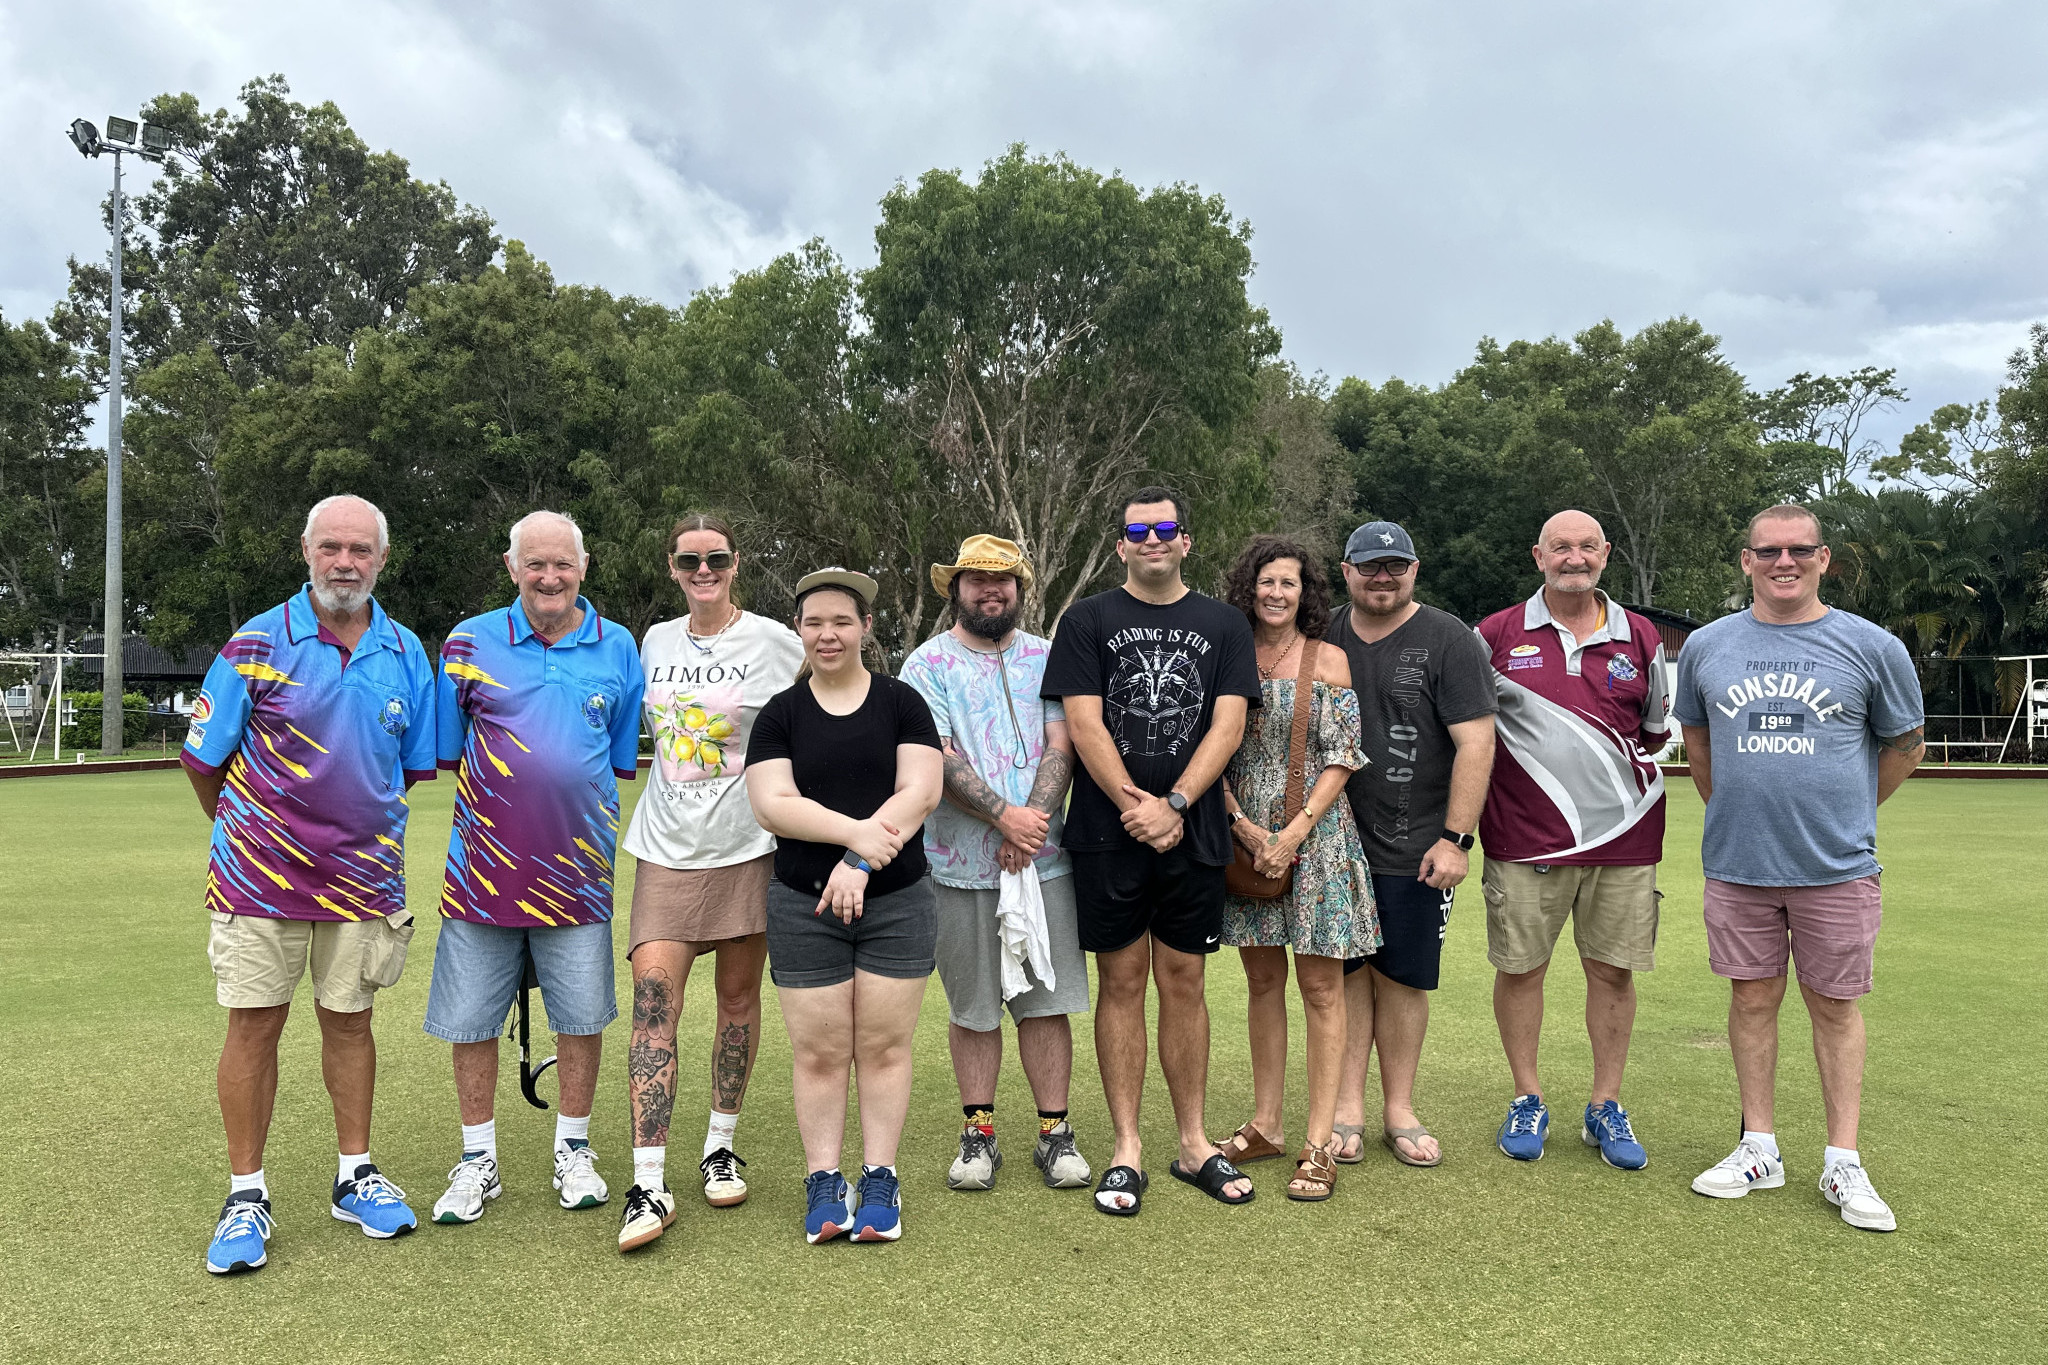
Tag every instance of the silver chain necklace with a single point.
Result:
(711, 640)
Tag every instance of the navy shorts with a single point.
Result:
(1123, 894)
(1414, 917)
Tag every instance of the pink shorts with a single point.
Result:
(1753, 931)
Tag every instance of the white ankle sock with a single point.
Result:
(650, 1167)
(1767, 1141)
(347, 1166)
(252, 1181)
(721, 1131)
(481, 1137)
(567, 1128)
(1830, 1155)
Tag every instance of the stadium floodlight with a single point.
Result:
(122, 130)
(85, 137)
(156, 140)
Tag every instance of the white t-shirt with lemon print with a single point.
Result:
(703, 695)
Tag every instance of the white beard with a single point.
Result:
(344, 599)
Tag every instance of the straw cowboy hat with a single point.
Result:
(989, 554)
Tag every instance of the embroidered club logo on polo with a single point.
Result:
(1524, 651)
(314, 764)
(538, 735)
(1621, 668)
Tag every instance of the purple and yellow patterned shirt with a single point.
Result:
(539, 735)
(318, 743)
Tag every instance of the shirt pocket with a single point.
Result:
(596, 700)
(377, 680)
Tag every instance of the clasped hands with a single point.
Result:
(1273, 850)
(1151, 821)
(876, 843)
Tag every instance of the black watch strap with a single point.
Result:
(1177, 802)
(1464, 841)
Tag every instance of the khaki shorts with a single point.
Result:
(1613, 911)
(257, 961)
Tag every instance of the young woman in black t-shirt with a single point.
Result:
(843, 768)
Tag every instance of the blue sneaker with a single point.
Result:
(372, 1203)
(1523, 1130)
(826, 1214)
(241, 1237)
(880, 1215)
(1608, 1129)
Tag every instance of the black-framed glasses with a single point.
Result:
(1136, 531)
(686, 561)
(1770, 554)
(1373, 568)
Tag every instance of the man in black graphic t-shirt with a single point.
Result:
(1157, 681)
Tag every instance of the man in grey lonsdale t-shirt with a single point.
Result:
(1799, 720)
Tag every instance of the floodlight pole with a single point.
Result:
(113, 729)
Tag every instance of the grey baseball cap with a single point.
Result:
(1379, 540)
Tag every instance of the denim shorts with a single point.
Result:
(478, 968)
(894, 936)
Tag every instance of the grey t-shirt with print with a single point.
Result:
(1794, 714)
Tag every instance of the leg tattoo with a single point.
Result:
(651, 1060)
(729, 1068)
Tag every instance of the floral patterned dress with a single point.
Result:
(1329, 911)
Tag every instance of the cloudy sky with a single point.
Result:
(1824, 185)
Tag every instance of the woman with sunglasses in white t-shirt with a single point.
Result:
(704, 862)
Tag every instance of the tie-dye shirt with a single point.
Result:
(1004, 741)
(538, 735)
(317, 744)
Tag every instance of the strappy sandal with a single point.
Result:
(1317, 1170)
(1247, 1145)
(1342, 1135)
(1393, 1137)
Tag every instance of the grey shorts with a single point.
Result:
(970, 957)
(891, 937)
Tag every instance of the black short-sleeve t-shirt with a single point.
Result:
(1430, 674)
(1158, 670)
(845, 764)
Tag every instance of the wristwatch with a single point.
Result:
(854, 860)
(1177, 803)
(1236, 816)
(1451, 836)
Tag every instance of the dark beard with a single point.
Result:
(989, 627)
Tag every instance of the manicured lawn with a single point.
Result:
(109, 1034)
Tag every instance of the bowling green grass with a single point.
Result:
(109, 1035)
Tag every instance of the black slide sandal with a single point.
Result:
(1123, 1180)
(1216, 1172)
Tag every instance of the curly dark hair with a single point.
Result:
(1240, 585)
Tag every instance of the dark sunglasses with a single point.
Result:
(1770, 554)
(1136, 531)
(686, 561)
(1395, 568)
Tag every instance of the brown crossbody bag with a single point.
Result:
(1241, 878)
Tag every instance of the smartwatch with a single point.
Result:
(1177, 803)
(1451, 836)
(854, 860)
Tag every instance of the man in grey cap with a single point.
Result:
(1426, 704)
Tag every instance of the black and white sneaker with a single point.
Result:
(978, 1162)
(723, 1184)
(648, 1214)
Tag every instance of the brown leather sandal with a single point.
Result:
(1247, 1145)
(1316, 1172)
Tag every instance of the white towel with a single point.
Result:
(1020, 925)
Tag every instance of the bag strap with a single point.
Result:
(1297, 739)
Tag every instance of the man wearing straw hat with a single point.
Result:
(1008, 762)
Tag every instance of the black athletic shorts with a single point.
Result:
(1413, 918)
(1122, 894)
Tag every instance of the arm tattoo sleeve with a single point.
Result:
(1050, 787)
(968, 791)
(1907, 743)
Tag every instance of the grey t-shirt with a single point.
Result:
(1412, 686)
(1793, 714)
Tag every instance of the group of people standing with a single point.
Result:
(1168, 775)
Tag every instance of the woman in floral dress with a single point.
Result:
(1327, 914)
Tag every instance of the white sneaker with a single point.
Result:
(1748, 1167)
(723, 1184)
(1847, 1186)
(474, 1179)
(648, 1214)
(577, 1178)
(979, 1160)
(1061, 1161)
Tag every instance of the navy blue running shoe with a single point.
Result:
(241, 1238)
(1522, 1132)
(826, 1214)
(1607, 1128)
(880, 1215)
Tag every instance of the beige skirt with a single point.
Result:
(699, 905)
